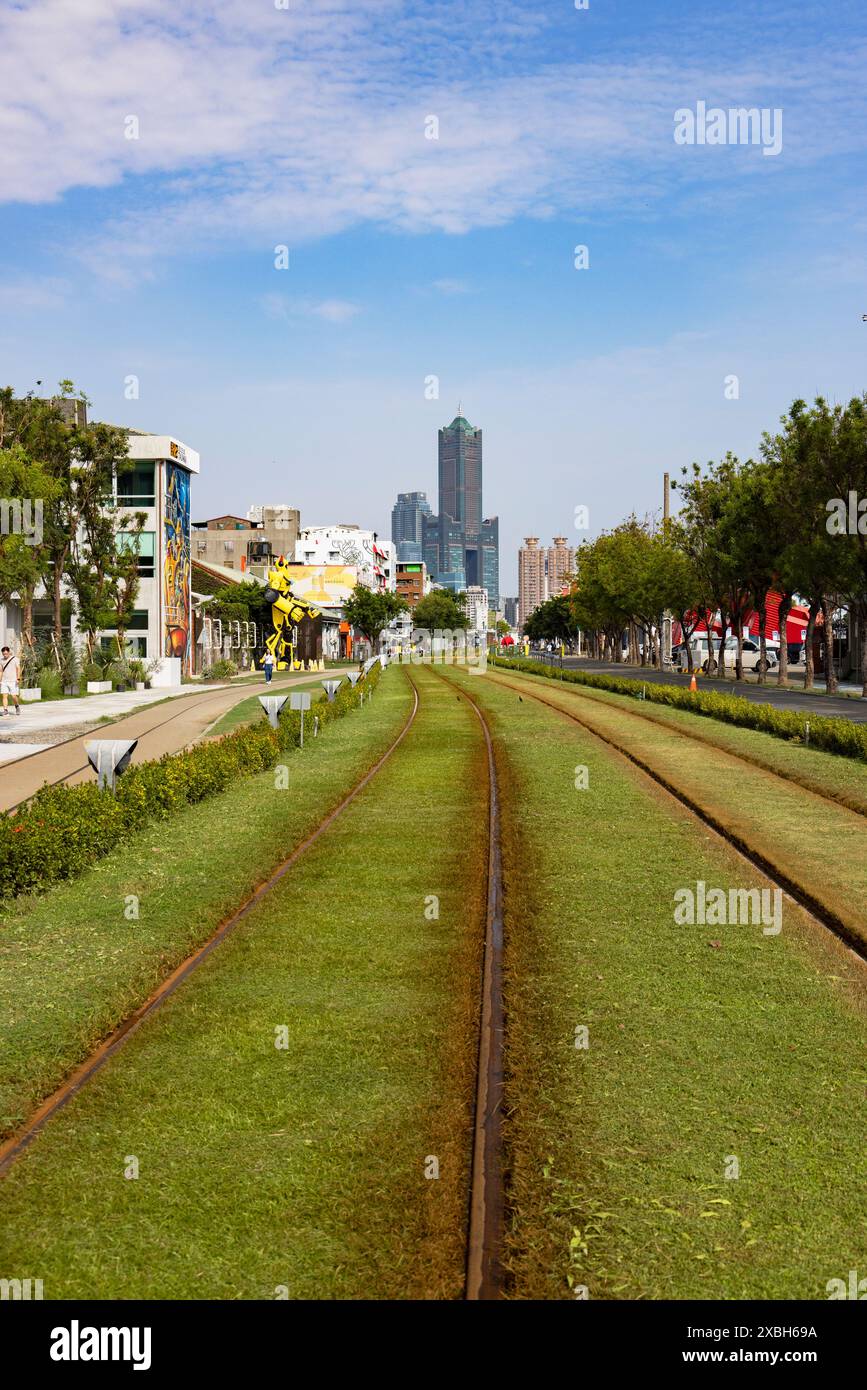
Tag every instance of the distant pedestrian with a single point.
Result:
(268, 667)
(10, 676)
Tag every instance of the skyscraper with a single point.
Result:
(462, 547)
(407, 525)
(542, 573)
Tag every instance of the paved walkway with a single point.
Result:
(37, 716)
(801, 700)
(166, 729)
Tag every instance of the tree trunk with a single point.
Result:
(723, 630)
(57, 582)
(831, 683)
(808, 644)
(763, 641)
(739, 655)
(27, 621)
(783, 673)
(862, 634)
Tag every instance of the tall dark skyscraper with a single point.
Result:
(461, 547)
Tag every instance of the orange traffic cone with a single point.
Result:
(693, 684)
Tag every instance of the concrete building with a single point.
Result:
(510, 611)
(476, 607)
(236, 542)
(351, 546)
(158, 484)
(543, 572)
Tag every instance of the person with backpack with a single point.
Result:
(10, 676)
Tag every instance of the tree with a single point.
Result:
(371, 611)
(552, 621)
(440, 611)
(24, 560)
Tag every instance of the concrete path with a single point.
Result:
(37, 716)
(166, 729)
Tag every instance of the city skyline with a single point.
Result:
(441, 268)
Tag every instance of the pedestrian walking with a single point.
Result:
(10, 677)
(268, 667)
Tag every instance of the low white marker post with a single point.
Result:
(109, 757)
(300, 700)
(272, 705)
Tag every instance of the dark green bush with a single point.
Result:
(832, 735)
(63, 830)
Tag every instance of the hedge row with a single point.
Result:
(831, 735)
(63, 830)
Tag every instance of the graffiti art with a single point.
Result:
(177, 566)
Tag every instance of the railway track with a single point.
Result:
(818, 910)
(484, 1281)
(485, 1200)
(806, 783)
(21, 1140)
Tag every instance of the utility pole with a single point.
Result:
(665, 652)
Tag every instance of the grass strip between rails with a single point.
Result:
(77, 961)
(705, 1044)
(297, 1169)
(843, 779)
(826, 861)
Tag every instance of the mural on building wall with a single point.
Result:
(176, 566)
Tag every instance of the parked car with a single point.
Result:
(752, 653)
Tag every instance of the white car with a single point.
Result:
(752, 653)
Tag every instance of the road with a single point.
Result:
(801, 701)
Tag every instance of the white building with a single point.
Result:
(477, 608)
(348, 545)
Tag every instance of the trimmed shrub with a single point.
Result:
(832, 735)
(220, 671)
(63, 830)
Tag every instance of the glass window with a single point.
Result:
(146, 549)
(135, 485)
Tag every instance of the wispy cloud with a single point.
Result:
(254, 126)
(278, 306)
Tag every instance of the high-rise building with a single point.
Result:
(407, 520)
(542, 573)
(460, 547)
(510, 611)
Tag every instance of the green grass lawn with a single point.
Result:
(705, 1043)
(819, 844)
(844, 779)
(73, 965)
(301, 1168)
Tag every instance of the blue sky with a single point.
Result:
(453, 257)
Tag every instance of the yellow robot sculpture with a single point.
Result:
(286, 612)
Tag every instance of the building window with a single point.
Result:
(146, 543)
(135, 486)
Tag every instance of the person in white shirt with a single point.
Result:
(268, 666)
(10, 675)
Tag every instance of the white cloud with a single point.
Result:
(278, 306)
(259, 125)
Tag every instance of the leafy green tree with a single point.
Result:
(370, 611)
(24, 562)
(552, 621)
(440, 611)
